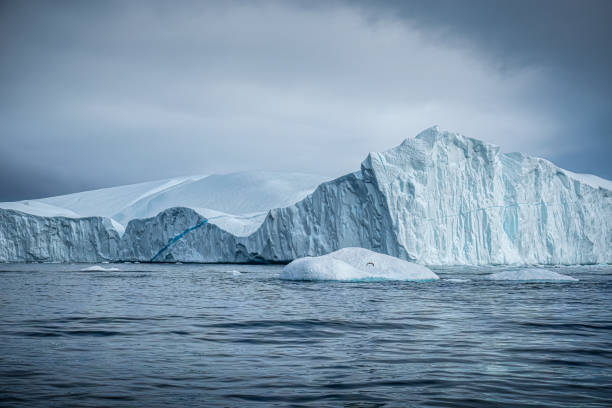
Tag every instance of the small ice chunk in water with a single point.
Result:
(98, 268)
(355, 264)
(531, 275)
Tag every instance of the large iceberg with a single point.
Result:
(443, 198)
(439, 198)
(78, 227)
(355, 264)
(238, 202)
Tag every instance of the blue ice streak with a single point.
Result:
(177, 238)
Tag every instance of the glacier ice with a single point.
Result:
(237, 202)
(531, 275)
(98, 268)
(439, 199)
(31, 238)
(443, 198)
(353, 264)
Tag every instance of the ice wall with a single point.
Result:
(30, 238)
(439, 198)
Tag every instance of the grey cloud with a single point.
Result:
(105, 93)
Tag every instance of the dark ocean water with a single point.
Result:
(202, 335)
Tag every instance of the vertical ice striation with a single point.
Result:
(457, 200)
(30, 238)
(438, 198)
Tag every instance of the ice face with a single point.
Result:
(531, 275)
(439, 199)
(354, 264)
(30, 238)
(236, 202)
(98, 268)
(443, 198)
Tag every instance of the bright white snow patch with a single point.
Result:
(98, 268)
(236, 202)
(354, 264)
(592, 180)
(39, 208)
(531, 275)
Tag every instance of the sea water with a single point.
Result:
(237, 335)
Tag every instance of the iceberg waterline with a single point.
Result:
(355, 264)
(440, 198)
(98, 268)
(531, 275)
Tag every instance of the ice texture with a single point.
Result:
(98, 268)
(30, 238)
(437, 199)
(531, 275)
(354, 264)
(237, 202)
(443, 198)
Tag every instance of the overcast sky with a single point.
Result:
(95, 94)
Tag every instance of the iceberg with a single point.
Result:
(531, 275)
(32, 238)
(237, 202)
(98, 268)
(445, 199)
(439, 198)
(355, 264)
(77, 227)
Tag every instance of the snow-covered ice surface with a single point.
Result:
(591, 179)
(236, 202)
(442, 198)
(98, 268)
(531, 275)
(39, 208)
(355, 264)
(437, 199)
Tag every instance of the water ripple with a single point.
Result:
(194, 335)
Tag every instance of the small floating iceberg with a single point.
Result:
(531, 275)
(98, 268)
(355, 264)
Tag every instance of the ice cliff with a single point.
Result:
(31, 238)
(438, 198)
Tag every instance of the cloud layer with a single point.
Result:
(100, 94)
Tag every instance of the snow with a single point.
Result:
(531, 275)
(98, 268)
(445, 199)
(39, 208)
(439, 198)
(355, 264)
(236, 202)
(592, 180)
